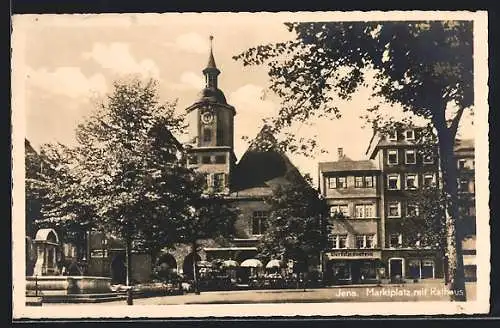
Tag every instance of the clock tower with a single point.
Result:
(211, 132)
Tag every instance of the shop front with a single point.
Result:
(352, 266)
(413, 264)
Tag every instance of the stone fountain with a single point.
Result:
(48, 282)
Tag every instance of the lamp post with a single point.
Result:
(103, 243)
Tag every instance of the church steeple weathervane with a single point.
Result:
(211, 71)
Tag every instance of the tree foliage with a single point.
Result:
(294, 227)
(417, 65)
(425, 67)
(126, 175)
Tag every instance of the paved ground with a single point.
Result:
(429, 291)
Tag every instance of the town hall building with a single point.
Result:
(245, 183)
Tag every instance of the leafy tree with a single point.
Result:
(32, 170)
(127, 176)
(425, 67)
(211, 217)
(52, 186)
(130, 170)
(295, 224)
(427, 227)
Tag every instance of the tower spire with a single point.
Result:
(211, 60)
(211, 71)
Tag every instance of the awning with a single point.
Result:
(251, 263)
(274, 264)
(230, 264)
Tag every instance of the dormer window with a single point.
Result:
(392, 136)
(410, 135)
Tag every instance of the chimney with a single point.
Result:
(340, 152)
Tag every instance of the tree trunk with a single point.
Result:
(128, 256)
(195, 271)
(455, 267)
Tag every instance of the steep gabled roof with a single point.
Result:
(262, 167)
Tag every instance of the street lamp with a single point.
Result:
(104, 242)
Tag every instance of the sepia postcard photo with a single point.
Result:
(186, 165)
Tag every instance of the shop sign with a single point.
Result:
(354, 254)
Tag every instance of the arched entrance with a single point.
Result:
(118, 269)
(166, 265)
(187, 267)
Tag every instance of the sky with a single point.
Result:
(69, 61)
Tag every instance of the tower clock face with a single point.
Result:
(207, 117)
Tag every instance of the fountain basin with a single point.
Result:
(68, 285)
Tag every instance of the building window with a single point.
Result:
(339, 211)
(193, 159)
(461, 164)
(395, 240)
(332, 183)
(343, 241)
(339, 241)
(394, 209)
(411, 181)
(392, 157)
(392, 136)
(365, 211)
(410, 157)
(358, 182)
(365, 241)
(463, 185)
(414, 269)
(207, 135)
(370, 241)
(259, 222)
(472, 211)
(427, 158)
(360, 211)
(429, 180)
(219, 182)
(427, 269)
(208, 181)
(342, 182)
(220, 159)
(410, 135)
(369, 182)
(393, 182)
(206, 159)
(360, 241)
(411, 210)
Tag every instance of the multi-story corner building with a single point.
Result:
(401, 170)
(351, 190)
(406, 168)
(464, 153)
